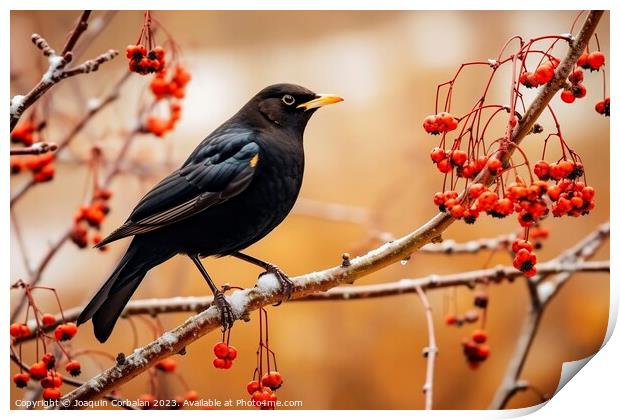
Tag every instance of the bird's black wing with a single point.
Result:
(220, 168)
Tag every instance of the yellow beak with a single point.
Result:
(322, 100)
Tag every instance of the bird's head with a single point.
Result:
(290, 106)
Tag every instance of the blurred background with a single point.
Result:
(367, 169)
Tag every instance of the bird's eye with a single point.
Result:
(288, 99)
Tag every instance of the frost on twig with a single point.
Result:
(57, 69)
(35, 149)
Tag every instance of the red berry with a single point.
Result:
(48, 319)
(567, 96)
(73, 367)
(457, 211)
(458, 157)
(596, 60)
(38, 370)
(579, 90)
(21, 379)
(222, 363)
(476, 189)
(576, 76)
(494, 165)
(582, 61)
(479, 336)
(272, 380)
(49, 359)
(444, 166)
(450, 319)
(50, 394)
(521, 244)
(19, 330)
(220, 350)
(65, 331)
(52, 380)
(232, 353)
(253, 386)
(437, 154)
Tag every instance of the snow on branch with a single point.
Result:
(57, 68)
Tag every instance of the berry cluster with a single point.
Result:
(485, 170)
(542, 75)
(41, 166)
(591, 60)
(92, 216)
(143, 62)
(440, 123)
(224, 355)
(574, 87)
(262, 387)
(475, 349)
(171, 89)
(173, 86)
(525, 259)
(44, 369)
(602, 107)
(145, 56)
(24, 133)
(263, 392)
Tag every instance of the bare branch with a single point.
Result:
(35, 149)
(57, 68)
(430, 352)
(197, 304)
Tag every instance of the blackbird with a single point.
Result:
(236, 186)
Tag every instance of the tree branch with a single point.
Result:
(57, 70)
(430, 352)
(35, 149)
(156, 307)
(266, 292)
(541, 293)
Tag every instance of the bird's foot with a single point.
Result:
(285, 282)
(226, 314)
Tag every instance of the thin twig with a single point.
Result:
(57, 69)
(35, 149)
(431, 351)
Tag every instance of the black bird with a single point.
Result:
(235, 187)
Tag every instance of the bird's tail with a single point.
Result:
(107, 305)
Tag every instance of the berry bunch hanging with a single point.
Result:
(145, 57)
(494, 183)
(90, 215)
(265, 380)
(44, 369)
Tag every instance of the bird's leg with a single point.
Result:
(226, 313)
(283, 279)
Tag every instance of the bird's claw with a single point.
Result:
(226, 314)
(285, 282)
